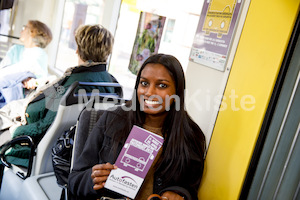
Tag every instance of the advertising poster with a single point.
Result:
(215, 32)
(147, 39)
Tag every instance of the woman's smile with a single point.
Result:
(152, 102)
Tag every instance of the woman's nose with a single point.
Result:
(150, 91)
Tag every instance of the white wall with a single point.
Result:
(111, 14)
(204, 85)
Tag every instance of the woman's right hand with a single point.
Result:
(100, 173)
(29, 83)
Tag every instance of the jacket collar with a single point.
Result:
(88, 66)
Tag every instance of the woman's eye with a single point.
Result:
(162, 85)
(143, 83)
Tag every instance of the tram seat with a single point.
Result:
(38, 180)
(86, 121)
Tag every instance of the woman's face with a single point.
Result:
(155, 89)
(25, 33)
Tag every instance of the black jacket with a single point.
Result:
(98, 150)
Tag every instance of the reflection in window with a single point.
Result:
(76, 13)
(169, 31)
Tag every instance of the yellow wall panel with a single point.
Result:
(263, 42)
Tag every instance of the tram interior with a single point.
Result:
(235, 97)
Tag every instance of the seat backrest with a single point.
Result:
(87, 120)
(67, 116)
(40, 184)
(85, 124)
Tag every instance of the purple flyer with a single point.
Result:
(134, 161)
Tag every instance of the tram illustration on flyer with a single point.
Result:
(134, 161)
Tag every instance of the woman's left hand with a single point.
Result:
(171, 196)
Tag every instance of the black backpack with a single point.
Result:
(62, 151)
(62, 155)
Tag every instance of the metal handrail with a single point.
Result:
(9, 36)
(25, 139)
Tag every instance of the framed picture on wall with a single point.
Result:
(214, 33)
(147, 39)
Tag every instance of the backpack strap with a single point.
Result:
(93, 120)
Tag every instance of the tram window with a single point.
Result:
(5, 30)
(4, 23)
(181, 20)
(75, 13)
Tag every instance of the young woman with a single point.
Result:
(177, 170)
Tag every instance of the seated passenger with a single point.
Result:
(25, 65)
(94, 45)
(177, 170)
